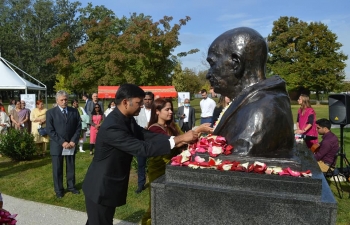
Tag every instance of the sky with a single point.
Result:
(211, 18)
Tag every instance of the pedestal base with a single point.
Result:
(187, 196)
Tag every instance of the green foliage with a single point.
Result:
(185, 80)
(17, 145)
(135, 50)
(306, 55)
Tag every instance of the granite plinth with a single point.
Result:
(203, 196)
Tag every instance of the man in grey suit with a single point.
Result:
(187, 116)
(91, 104)
(63, 126)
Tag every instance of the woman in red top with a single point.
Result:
(162, 121)
(306, 120)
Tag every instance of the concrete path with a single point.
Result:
(34, 213)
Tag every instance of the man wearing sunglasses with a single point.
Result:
(328, 146)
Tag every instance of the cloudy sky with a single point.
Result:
(211, 18)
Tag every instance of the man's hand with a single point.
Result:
(65, 145)
(188, 137)
(72, 144)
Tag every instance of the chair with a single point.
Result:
(334, 173)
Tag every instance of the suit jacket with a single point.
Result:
(118, 140)
(90, 106)
(60, 130)
(141, 119)
(259, 122)
(191, 118)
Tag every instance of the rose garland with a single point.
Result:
(216, 145)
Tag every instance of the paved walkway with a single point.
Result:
(34, 213)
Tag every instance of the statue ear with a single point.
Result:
(237, 64)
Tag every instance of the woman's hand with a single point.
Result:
(204, 128)
(298, 131)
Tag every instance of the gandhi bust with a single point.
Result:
(259, 120)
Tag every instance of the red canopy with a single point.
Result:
(161, 91)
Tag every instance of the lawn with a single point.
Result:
(32, 180)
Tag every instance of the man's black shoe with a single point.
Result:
(140, 189)
(59, 195)
(75, 192)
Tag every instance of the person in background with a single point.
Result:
(63, 125)
(120, 138)
(223, 102)
(85, 120)
(26, 122)
(306, 120)
(38, 118)
(19, 116)
(95, 122)
(111, 107)
(2, 107)
(87, 103)
(207, 107)
(11, 106)
(4, 123)
(142, 120)
(162, 121)
(91, 104)
(187, 116)
(329, 145)
(1, 204)
(86, 100)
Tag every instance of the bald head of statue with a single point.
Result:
(237, 60)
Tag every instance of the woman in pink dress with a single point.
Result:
(95, 122)
(306, 120)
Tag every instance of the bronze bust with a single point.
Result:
(259, 121)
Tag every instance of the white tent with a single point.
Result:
(10, 80)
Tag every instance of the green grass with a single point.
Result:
(32, 180)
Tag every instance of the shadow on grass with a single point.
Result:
(16, 167)
(135, 217)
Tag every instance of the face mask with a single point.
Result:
(187, 104)
(113, 106)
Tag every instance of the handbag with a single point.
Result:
(42, 131)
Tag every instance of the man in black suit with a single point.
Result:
(119, 139)
(187, 116)
(63, 126)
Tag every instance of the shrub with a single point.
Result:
(17, 145)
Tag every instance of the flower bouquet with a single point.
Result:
(214, 146)
(6, 218)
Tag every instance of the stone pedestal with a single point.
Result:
(203, 196)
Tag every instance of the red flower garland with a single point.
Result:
(216, 145)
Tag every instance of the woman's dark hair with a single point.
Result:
(74, 100)
(158, 105)
(109, 105)
(128, 91)
(94, 111)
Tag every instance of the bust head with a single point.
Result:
(237, 60)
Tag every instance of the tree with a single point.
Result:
(185, 80)
(305, 55)
(135, 50)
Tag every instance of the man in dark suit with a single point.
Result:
(63, 126)
(119, 139)
(187, 116)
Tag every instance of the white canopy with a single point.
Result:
(10, 80)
